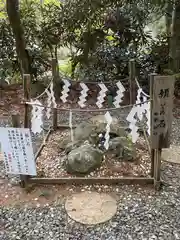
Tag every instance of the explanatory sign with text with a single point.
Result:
(162, 107)
(16, 146)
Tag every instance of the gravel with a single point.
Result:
(142, 214)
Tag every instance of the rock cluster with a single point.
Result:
(86, 152)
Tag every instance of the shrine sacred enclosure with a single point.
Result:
(149, 120)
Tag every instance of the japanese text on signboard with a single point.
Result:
(162, 111)
(17, 151)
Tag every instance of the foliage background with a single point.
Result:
(100, 37)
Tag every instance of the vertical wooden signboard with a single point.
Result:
(163, 92)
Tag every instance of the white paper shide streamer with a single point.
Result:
(51, 102)
(71, 126)
(120, 94)
(107, 136)
(140, 110)
(132, 124)
(65, 91)
(82, 98)
(37, 117)
(102, 95)
(147, 114)
(54, 104)
(143, 109)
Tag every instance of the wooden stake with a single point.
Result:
(157, 168)
(151, 107)
(132, 75)
(54, 74)
(17, 124)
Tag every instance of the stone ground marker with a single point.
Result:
(91, 207)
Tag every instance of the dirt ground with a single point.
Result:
(10, 102)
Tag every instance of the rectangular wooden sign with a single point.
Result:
(162, 106)
(16, 146)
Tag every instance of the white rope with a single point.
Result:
(44, 92)
(145, 94)
(88, 110)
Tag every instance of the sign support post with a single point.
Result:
(161, 119)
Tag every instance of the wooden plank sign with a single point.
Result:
(17, 151)
(162, 106)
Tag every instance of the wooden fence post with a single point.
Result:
(55, 75)
(17, 124)
(132, 75)
(157, 168)
(161, 119)
(151, 78)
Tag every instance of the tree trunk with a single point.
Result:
(15, 22)
(175, 38)
(168, 19)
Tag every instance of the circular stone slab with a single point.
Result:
(91, 207)
(171, 154)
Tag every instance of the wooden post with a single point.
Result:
(161, 119)
(17, 124)
(54, 74)
(27, 97)
(132, 75)
(157, 168)
(151, 78)
(27, 123)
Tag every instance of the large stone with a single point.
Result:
(72, 145)
(84, 159)
(84, 131)
(100, 122)
(123, 148)
(91, 129)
